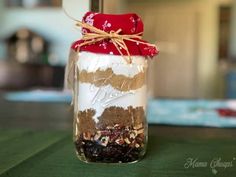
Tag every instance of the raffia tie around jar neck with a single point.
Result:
(97, 35)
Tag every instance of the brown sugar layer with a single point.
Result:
(110, 117)
(86, 122)
(117, 81)
(124, 117)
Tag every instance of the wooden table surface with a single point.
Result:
(57, 117)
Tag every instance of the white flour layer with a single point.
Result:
(100, 98)
(91, 62)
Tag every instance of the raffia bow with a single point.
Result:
(96, 35)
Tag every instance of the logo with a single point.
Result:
(214, 165)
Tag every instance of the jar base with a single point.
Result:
(83, 159)
(90, 152)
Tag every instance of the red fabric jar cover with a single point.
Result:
(128, 23)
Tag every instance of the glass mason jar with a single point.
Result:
(109, 108)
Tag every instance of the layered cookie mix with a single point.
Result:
(110, 121)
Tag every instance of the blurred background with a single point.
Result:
(197, 42)
(196, 38)
(35, 38)
(191, 87)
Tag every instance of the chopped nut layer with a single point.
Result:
(113, 144)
